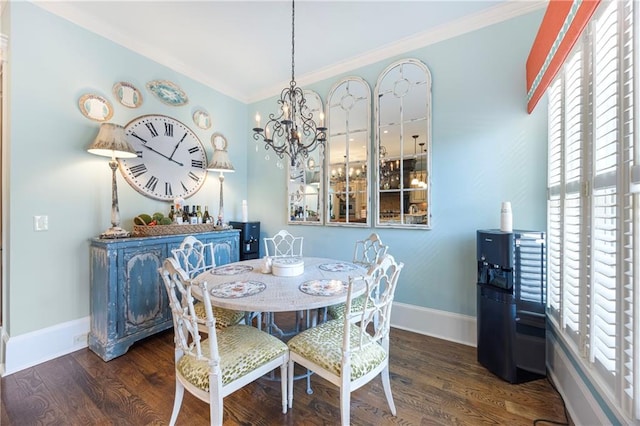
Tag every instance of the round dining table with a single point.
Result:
(244, 286)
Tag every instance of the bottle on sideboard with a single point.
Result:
(172, 212)
(193, 217)
(205, 217)
(177, 216)
(185, 215)
(199, 215)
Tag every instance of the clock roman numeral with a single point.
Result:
(151, 183)
(168, 129)
(194, 149)
(138, 137)
(139, 154)
(167, 189)
(184, 187)
(138, 170)
(152, 129)
(194, 176)
(197, 163)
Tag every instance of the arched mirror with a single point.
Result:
(304, 182)
(403, 146)
(347, 153)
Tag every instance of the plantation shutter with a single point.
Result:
(629, 277)
(554, 201)
(593, 204)
(573, 165)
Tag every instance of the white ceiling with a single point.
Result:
(243, 48)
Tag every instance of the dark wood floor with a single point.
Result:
(434, 382)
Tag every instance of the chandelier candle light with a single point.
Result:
(293, 132)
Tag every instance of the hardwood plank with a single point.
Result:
(434, 382)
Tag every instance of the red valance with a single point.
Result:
(561, 27)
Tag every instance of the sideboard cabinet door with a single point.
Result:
(144, 299)
(128, 299)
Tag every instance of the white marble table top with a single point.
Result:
(244, 287)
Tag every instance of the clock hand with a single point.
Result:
(162, 155)
(178, 144)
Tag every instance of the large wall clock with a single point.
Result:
(171, 160)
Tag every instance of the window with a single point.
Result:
(593, 207)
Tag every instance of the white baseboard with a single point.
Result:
(582, 406)
(431, 322)
(29, 349)
(4, 338)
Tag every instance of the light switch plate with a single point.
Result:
(41, 223)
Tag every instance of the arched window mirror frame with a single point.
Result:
(305, 189)
(347, 165)
(403, 121)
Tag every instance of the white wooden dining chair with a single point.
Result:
(283, 244)
(367, 253)
(195, 257)
(230, 358)
(349, 353)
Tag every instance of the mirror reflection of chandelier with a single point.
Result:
(355, 171)
(293, 133)
(422, 182)
(418, 182)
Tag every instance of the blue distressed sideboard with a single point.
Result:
(128, 299)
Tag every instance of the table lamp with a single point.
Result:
(112, 142)
(220, 163)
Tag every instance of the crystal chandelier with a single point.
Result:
(293, 132)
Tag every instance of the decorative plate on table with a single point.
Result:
(338, 267)
(323, 287)
(168, 92)
(237, 289)
(231, 269)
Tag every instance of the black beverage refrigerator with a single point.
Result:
(249, 239)
(511, 299)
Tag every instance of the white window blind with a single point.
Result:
(593, 207)
(572, 177)
(554, 202)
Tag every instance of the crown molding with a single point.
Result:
(491, 16)
(470, 23)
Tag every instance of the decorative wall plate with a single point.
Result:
(168, 92)
(202, 119)
(127, 94)
(95, 107)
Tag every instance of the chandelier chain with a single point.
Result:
(293, 43)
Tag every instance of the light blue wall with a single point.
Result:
(486, 149)
(53, 62)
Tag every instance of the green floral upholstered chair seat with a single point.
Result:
(367, 253)
(230, 358)
(352, 362)
(242, 349)
(322, 345)
(195, 257)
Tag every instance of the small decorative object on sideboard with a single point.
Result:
(145, 225)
